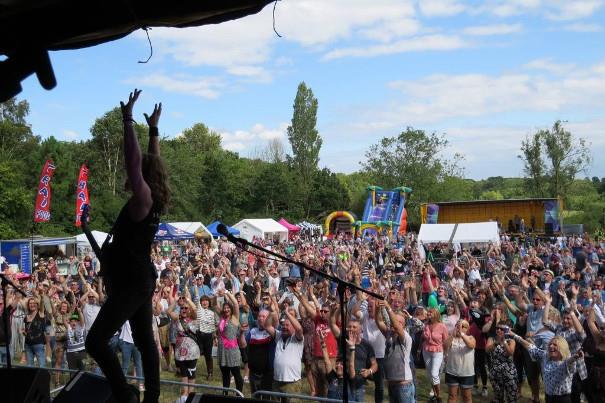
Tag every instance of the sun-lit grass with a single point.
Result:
(169, 394)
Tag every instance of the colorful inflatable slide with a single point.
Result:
(384, 211)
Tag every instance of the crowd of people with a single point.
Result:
(469, 316)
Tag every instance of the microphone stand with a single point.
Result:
(342, 286)
(9, 367)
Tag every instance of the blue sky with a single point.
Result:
(483, 73)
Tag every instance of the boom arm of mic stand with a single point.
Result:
(6, 281)
(240, 241)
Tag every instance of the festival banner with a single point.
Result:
(42, 210)
(81, 193)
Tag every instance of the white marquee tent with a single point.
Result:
(193, 227)
(264, 228)
(99, 236)
(477, 232)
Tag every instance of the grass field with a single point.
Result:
(169, 394)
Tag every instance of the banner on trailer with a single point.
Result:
(81, 193)
(432, 214)
(17, 253)
(42, 210)
(551, 214)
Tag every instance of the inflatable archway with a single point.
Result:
(335, 216)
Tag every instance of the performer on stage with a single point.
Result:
(126, 265)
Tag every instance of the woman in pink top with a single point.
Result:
(434, 336)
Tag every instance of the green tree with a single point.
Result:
(552, 160)
(305, 141)
(413, 159)
(567, 156)
(584, 205)
(329, 194)
(534, 166)
(107, 139)
(16, 202)
(491, 195)
(16, 138)
(273, 189)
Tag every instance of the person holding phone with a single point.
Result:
(503, 373)
(460, 362)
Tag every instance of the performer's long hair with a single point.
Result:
(156, 176)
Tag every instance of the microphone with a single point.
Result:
(222, 229)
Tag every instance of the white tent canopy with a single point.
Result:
(433, 233)
(459, 233)
(99, 236)
(192, 227)
(264, 228)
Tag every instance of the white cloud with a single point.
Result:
(246, 43)
(549, 66)
(391, 30)
(234, 146)
(241, 42)
(70, 135)
(440, 8)
(507, 8)
(566, 10)
(257, 73)
(562, 10)
(320, 22)
(582, 27)
(205, 87)
(491, 150)
(417, 44)
(498, 29)
(255, 137)
(441, 97)
(269, 134)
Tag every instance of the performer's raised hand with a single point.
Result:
(152, 121)
(127, 108)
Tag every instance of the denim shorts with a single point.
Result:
(402, 393)
(464, 382)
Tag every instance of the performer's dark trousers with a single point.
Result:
(128, 300)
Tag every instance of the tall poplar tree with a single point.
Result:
(305, 142)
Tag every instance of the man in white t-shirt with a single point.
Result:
(289, 346)
(371, 333)
(90, 307)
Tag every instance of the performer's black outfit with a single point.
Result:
(129, 277)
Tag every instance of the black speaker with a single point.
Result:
(25, 385)
(85, 387)
(548, 228)
(208, 398)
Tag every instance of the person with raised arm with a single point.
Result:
(558, 366)
(230, 339)
(398, 346)
(126, 265)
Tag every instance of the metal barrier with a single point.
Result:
(296, 396)
(170, 390)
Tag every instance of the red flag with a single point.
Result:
(42, 211)
(81, 193)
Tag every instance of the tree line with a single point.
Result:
(210, 183)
